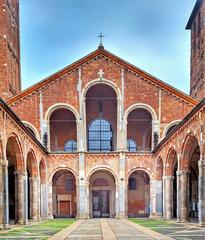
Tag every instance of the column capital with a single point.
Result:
(168, 177)
(4, 162)
(201, 163)
(183, 172)
(20, 173)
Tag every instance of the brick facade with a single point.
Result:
(157, 179)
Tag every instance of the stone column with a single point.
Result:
(44, 200)
(168, 196)
(50, 201)
(83, 191)
(121, 188)
(156, 199)
(20, 196)
(34, 183)
(5, 193)
(201, 187)
(183, 196)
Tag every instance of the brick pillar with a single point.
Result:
(201, 187)
(121, 189)
(156, 199)
(183, 196)
(20, 210)
(5, 193)
(35, 211)
(168, 197)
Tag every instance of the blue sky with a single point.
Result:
(149, 34)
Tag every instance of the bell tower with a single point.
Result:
(196, 24)
(10, 81)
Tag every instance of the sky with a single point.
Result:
(149, 34)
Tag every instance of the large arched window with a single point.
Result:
(139, 129)
(100, 136)
(131, 145)
(101, 104)
(70, 146)
(62, 128)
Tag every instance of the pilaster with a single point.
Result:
(121, 188)
(201, 188)
(156, 199)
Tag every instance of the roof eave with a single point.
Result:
(193, 14)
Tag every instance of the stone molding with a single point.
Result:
(201, 163)
(168, 177)
(4, 162)
(183, 172)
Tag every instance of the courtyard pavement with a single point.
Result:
(114, 229)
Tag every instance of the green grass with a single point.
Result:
(42, 230)
(150, 223)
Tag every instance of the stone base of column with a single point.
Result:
(83, 216)
(202, 224)
(155, 215)
(121, 216)
(5, 226)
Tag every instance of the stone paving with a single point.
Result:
(107, 229)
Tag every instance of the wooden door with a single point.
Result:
(65, 208)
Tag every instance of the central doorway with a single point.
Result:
(102, 195)
(101, 206)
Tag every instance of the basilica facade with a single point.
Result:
(101, 137)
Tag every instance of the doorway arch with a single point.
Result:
(102, 191)
(64, 194)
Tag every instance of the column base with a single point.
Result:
(5, 226)
(155, 215)
(121, 216)
(83, 216)
(202, 224)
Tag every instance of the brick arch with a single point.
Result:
(42, 170)
(33, 128)
(57, 106)
(159, 169)
(102, 168)
(31, 163)
(189, 145)
(170, 125)
(138, 169)
(140, 106)
(14, 153)
(171, 160)
(109, 83)
(62, 168)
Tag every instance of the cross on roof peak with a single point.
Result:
(101, 36)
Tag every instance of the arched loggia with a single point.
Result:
(15, 180)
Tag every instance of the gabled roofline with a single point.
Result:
(21, 125)
(113, 57)
(193, 14)
(186, 119)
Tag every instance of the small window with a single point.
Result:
(132, 184)
(131, 145)
(70, 146)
